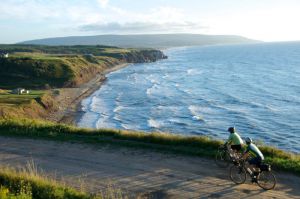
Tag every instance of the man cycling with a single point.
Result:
(256, 156)
(234, 140)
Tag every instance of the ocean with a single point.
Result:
(203, 91)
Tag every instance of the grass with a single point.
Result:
(7, 98)
(38, 67)
(28, 182)
(35, 105)
(194, 146)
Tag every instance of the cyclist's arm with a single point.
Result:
(229, 140)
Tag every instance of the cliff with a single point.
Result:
(27, 107)
(45, 67)
(64, 66)
(143, 56)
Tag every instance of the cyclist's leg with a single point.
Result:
(236, 150)
(255, 163)
(257, 166)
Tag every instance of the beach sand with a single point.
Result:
(69, 99)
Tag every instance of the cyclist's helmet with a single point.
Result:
(248, 140)
(231, 129)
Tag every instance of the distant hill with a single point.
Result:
(144, 41)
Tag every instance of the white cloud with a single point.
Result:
(267, 20)
(14, 9)
(82, 15)
(165, 14)
(103, 3)
(161, 14)
(55, 11)
(156, 20)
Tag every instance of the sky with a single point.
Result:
(266, 20)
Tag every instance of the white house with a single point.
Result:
(4, 55)
(20, 91)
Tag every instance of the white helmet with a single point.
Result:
(248, 140)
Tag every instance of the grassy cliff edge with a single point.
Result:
(188, 145)
(41, 68)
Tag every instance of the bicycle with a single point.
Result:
(264, 178)
(225, 155)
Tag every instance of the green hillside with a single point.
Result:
(38, 66)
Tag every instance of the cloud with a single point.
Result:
(57, 11)
(142, 27)
(16, 9)
(162, 19)
(162, 14)
(103, 3)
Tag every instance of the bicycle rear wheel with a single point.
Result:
(266, 180)
(222, 158)
(238, 174)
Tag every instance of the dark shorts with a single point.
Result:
(236, 147)
(255, 161)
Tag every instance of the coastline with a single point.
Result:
(69, 99)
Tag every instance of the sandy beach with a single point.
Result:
(69, 99)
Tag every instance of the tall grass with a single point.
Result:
(190, 145)
(28, 182)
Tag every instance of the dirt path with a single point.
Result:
(141, 172)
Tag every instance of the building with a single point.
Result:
(3, 55)
(20, 91)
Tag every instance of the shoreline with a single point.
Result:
(69, 99)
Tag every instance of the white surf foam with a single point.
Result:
(103, 122)
(152, 89)
(194, 72)
(118, 109)
(195, 111)
(130, 127)
(155, 123)
(166, 76)
(97, 105)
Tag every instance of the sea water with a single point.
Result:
(205, 90)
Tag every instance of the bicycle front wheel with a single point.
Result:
(238, 174)
(222, 158)
(266, 180)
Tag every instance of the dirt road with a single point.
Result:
(144, 173)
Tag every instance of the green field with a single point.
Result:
(97, 50)
(41, 70)
(38, 67)
(8, 99)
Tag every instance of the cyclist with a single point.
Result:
(234, 140)
(256, 156)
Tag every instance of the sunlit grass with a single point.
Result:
(28, 182)
(8, 98)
